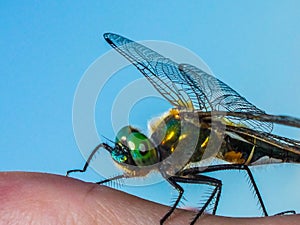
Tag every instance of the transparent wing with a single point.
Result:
(186, 86)
(214, 95)
(162, 72)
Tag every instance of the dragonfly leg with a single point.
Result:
(112, 178)
(217, 199)
(180, 190)
(194, 179)
(96, 149)
(197, 170)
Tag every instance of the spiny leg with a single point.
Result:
(112, 178)
(193, 179)
(213, 168)
(201, 179)
(197, 170)
(217, 200)
(180, 191)
(89, 159)
(201, 211)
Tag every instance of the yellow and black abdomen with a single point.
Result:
(254, 151)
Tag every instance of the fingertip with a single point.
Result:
(54, 199)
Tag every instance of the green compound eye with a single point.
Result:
(123, 134)
(141, 148)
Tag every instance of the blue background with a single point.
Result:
(45, 48)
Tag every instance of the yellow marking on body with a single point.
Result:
(251, 153)
(169, 136)
(181, 137)
(234, 157)
(175, 113)
(230, 123)
(204, 144)
(172, 149)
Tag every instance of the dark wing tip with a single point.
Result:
(109, 36)
(116, 40)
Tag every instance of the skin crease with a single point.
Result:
(39, 198)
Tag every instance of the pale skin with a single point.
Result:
(37, 198)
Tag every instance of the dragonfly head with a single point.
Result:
(134, 148)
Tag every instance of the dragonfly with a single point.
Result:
(208, 120)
